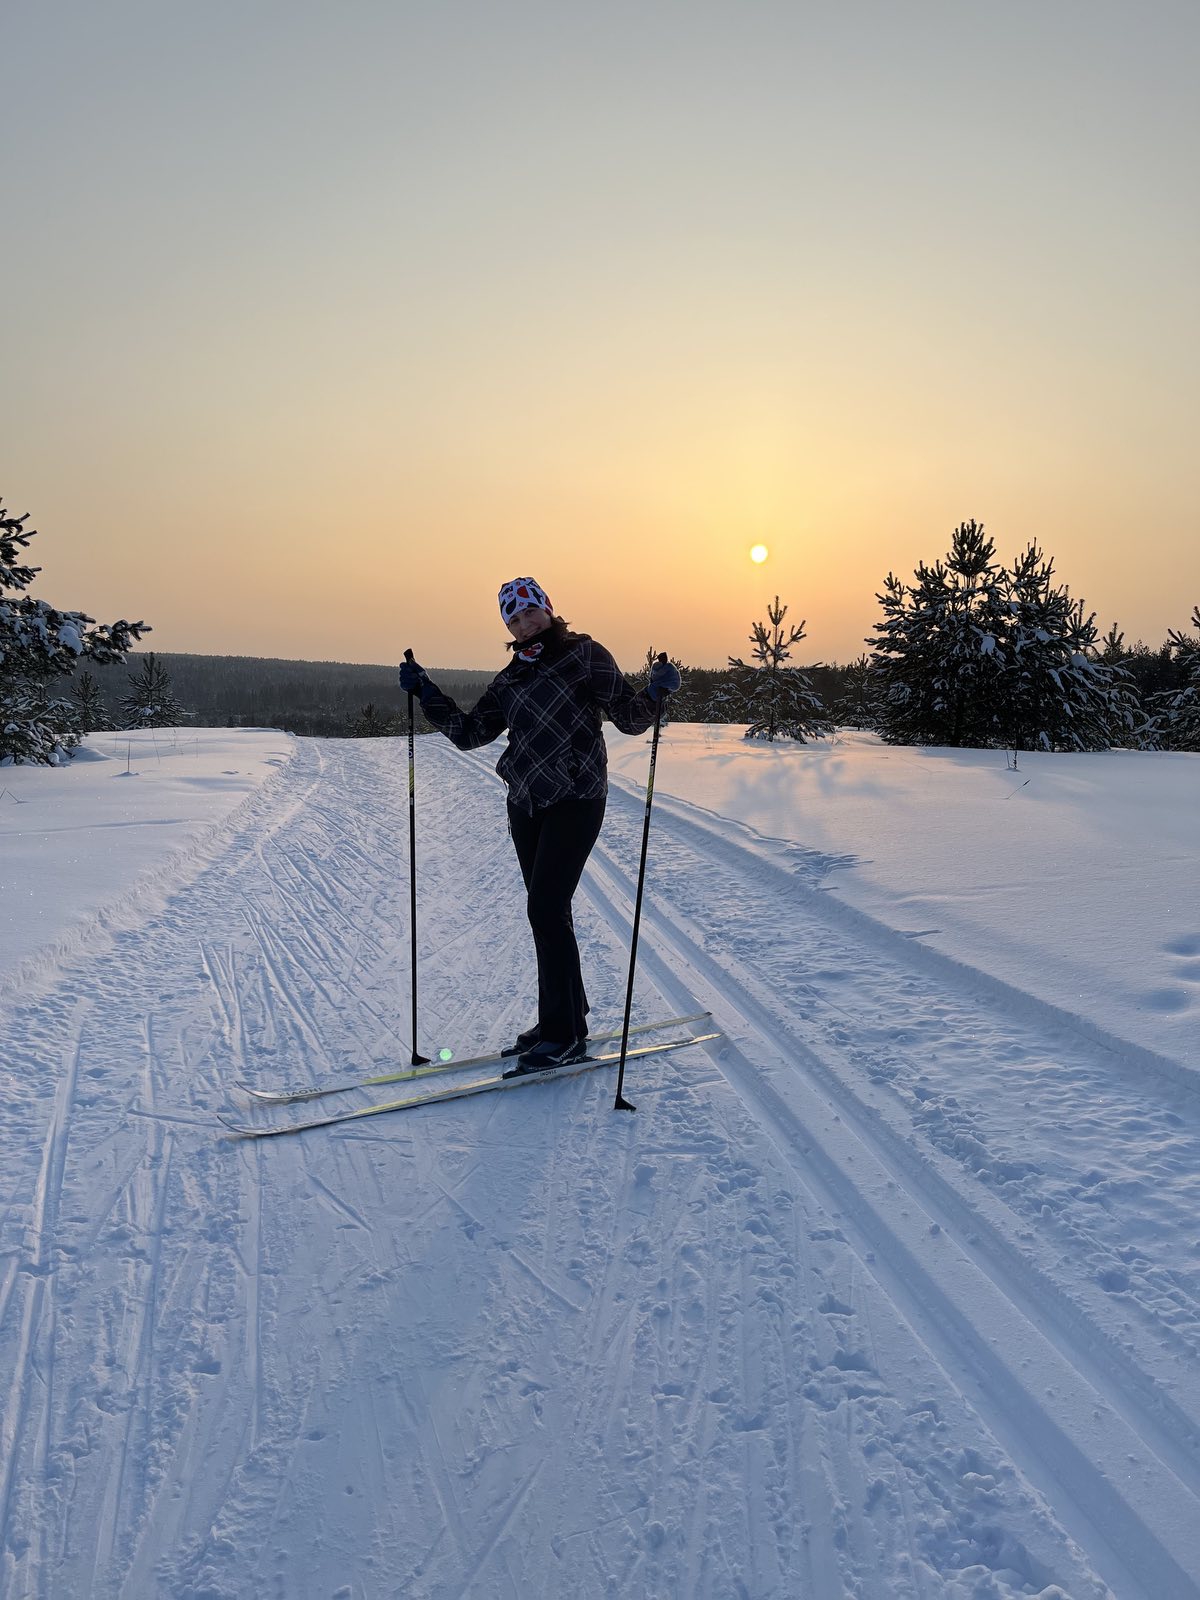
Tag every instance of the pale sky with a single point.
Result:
(322, 321)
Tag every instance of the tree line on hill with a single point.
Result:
(316, 698)
(970, 652)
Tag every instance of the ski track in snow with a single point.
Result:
(843, 1310)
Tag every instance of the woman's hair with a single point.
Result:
(557, 632)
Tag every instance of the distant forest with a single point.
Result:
(306, 697)
(333, 699)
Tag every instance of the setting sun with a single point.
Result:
(759, 553)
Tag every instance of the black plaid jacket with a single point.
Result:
(552, 708)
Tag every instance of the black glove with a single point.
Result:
(664, 679)
(414, 679)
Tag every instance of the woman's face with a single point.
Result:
(526, 623)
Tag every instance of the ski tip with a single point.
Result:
(283, 1097)
(235, 1130)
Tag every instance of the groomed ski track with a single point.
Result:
(836, 1313)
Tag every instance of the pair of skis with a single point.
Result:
(457, 1091)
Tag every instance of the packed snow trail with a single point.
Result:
(1069, 1431)
(833, 1314)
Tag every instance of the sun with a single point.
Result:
(759, 554)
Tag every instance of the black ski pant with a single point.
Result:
(552, 846)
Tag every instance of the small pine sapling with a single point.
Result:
(152, 702)
(777, 701)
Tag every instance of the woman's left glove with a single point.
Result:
(664, 679)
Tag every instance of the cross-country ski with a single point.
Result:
(461, 1091)
(434, 1068)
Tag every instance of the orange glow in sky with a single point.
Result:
(332, 321)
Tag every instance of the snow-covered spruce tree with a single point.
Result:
(976, 654)
(855, 706)
(152, 703)
(1132, 661)
(39, 644)
(1177, 711)
(729, 698)
(91, 714)
(777, 701)
(1112, 648)
(934, 665)
(1056, 690)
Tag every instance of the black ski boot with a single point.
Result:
(523, 1041)
(548, 1054)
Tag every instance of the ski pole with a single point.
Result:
(417, 1060)
(620, 1103)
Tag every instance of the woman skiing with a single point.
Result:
(551, 697)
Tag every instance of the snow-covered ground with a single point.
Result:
(892, 1291)
(84, 843)
(1075, 879)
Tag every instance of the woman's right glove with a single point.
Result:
(414, 679)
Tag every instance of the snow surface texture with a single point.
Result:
(82, 844)
(1075, 879)
(894, 1291)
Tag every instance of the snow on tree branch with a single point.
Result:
(39, 643)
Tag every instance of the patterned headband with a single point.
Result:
(523, 594)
